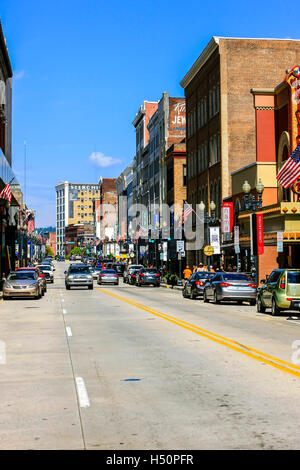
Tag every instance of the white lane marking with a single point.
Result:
(64, 311)
(69, 331)
(82, 393)
(296, 322)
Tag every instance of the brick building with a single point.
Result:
(108, 209)
(220, 115)
(277, 133)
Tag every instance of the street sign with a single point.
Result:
(180, 246)
(208, 250)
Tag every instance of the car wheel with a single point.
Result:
(275, 309)
(252, 303)
(259, 306)
(68, 287)
(216, 301)
(90, 287)
(52, 282)
(205, 299)
(192, 295)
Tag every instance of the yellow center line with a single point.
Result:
(250, 352)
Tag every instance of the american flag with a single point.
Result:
(185, 215)
(5, 193)
(290, 171)
(30, 222)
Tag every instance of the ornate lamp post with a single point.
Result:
(252, 203)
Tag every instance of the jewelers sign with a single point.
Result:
(215, 239)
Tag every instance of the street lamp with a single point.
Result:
(252, 203)
(208, 219)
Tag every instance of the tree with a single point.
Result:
(48, 251)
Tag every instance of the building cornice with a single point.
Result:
(202, 59)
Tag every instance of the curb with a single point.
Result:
(170, 287)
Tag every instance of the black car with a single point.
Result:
(147, 276)
(194, 287)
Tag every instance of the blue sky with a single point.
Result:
(82, 69)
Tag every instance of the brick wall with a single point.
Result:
(267, 262)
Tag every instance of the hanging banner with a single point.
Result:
(227, 217)
(215, 239)
(260, 234)
(279, 242)
(236, 231)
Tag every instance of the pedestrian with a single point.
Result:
(187, 273)
(229, 268)
(194, 269)
(200, 267)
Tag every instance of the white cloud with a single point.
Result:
(103, 161)
(19, 75)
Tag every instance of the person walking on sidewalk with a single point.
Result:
(187, 273)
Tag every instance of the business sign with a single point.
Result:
(215, 239)
(227, 217)
(236, 232)
(208, 250)
(280, 242)
(142, 250)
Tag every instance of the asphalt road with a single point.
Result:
(142, 368)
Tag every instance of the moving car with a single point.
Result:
(108, 276)
(41, 276)
(119, 268)
(22, 284)
(148, 276)
(47, 271)
(230, 286)
(78, 275)
(129, 268)
(131, 276)
(280, 291)
(194, 287)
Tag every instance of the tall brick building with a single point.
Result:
(220, 115)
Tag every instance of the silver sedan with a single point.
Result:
(22, 284)
(230, 286)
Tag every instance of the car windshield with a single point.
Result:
(293, 277)
(150, 270)
(135, 267)
(108, 271)
(79, 269)
(43, 268)
(21, 276)
(235, 277)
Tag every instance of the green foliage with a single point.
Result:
(48, 251)
(75, 251)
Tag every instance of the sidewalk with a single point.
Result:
(163, 284)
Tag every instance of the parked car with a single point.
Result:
(108, 276)
(148, 276)
(41, 276)
(47, 271)
(22, 284)
(230, 286)
(78, 275)
(194, 287)
(128, 269)
(280, 291)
